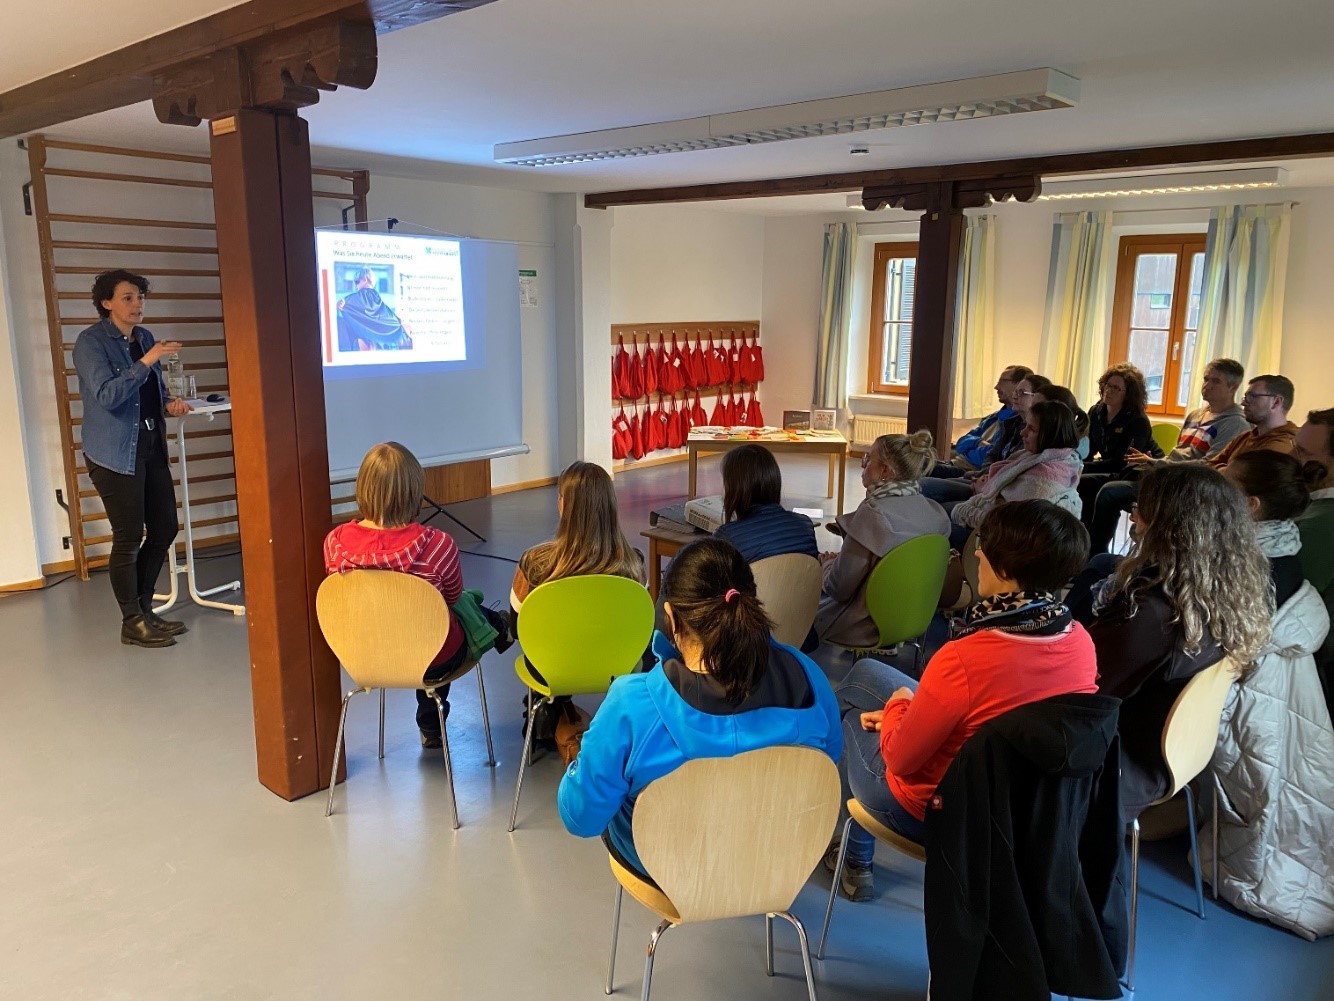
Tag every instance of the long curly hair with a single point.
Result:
(1197, 541)
(1137, 392)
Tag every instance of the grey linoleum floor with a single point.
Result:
(140, 860)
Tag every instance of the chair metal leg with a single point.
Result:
(381, 724)
(768, 945)
(523, 761)
(833, 888)
(1194, 852)
(444, 750)
(486, 717)
(615, 936)
(648, 963)
(338, 750)
(1215, 838)
(1134, 902)
(805, 951)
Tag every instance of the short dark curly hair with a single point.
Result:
(104, 287)
(1137, 393)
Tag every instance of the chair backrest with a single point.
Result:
(904, 589)
(580, 632)
(727, 837)
(1191, 730)
(1166, 435)
(789, 588)
(385, 627)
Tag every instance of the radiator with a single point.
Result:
(866, 428)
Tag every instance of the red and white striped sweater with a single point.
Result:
(420, 550)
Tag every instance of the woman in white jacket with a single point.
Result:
(1047, 469)
(1274, 763)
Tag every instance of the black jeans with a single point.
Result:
(142, 510)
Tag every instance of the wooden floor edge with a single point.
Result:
(26, 585)
(625, 467)
(509, 488)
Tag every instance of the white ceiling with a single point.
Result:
(1152, 72)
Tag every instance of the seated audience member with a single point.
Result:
(893, 512)
(1204, 434)
(1060, 394)
(1315, 450)
(1195, 589)
(387, 537)
(949, 484)
(1275, 756)
(1277, 492)
(1018, 644)
(588, 540)
(754, 519)
(1118, 425)
(1265, 405)
(724, 687)
(1047, 469)
(970, 451)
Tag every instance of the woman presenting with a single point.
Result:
(125, 446)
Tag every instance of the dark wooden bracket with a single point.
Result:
(952, 196)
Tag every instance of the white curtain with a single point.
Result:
(1245, 265)
(831, 367)
(975, 320)
(1077, 325)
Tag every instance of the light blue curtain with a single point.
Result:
(974, 327)
(1245, 266)
(831, 375)
(1077, 325)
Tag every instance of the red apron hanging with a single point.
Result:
(757, 360)
(735, 372)
(661, 420)
(715, 363)
(620, 363)
(636, 380)
(756, 415)
(636, 435)
(651, 377)
(621, 439)
(719, 417)
(658, 358)
(697, 361)
(675, 375)
(747, 362)
(675, 435)
(698, 418)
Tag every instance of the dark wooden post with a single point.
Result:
(935, 301)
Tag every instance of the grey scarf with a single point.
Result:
(1278, 538)
(893, 488)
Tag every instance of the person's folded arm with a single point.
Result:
(913, 730)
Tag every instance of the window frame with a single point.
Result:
(1129, 250)
(884, 252)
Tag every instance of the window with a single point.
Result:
(893, 288)
(1156, 315)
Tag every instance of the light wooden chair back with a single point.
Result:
(385, 627)
(789, 589)
(728, 837)
(1191, 731)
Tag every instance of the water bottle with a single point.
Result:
(173, 373)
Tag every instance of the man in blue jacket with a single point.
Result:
(970, 451)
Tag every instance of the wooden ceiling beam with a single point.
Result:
(126, 76)
(1232, 150)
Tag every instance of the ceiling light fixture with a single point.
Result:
(957, 100)
(1243, 179)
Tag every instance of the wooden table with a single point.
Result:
(833, 445)
(664, 542)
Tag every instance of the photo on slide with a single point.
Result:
(389, 300)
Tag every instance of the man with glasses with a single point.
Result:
(970, 451)
(1265, 405)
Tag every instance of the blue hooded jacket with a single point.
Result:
(645, 729)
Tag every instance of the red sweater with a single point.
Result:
(968, 682)
(420, 550)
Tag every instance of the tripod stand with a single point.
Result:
(437, 510)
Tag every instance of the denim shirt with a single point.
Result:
(109, 381)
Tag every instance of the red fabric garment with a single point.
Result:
(674, 371)
(661, 419)
(720, 417)
(757, 361)
(735, 371)
(743, 411)
(636, 436)
(736, 413)
(660, 358)
(634, 384)
(620, 365)
(419, 550)
(756, 414)
(747, 360)
(621, 438)
(651, 376)
(698, 418)
(699, 365)
(675, 419)
(967, 683)
(716, 363)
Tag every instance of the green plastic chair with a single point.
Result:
(904, 591)
(1166, 435)
(582, 633)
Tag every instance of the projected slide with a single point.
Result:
(389, 300)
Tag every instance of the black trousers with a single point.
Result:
(142, 510)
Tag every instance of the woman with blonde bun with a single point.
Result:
(893, 512)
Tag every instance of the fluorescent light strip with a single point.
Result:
(957, 100)
(1243, 179)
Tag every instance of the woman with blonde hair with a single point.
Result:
(1195, 589)
(893, 512)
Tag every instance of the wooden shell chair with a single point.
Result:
(789, 589)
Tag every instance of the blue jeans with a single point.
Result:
(867, 688)
(951, 490)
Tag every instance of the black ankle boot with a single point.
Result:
(138, 631)
(171, 627)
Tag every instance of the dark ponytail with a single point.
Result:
(712, 594)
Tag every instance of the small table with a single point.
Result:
(664, 542)
(832, 444)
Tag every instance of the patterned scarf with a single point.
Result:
(1278, 538)
(893, 488)
(1032, 613)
